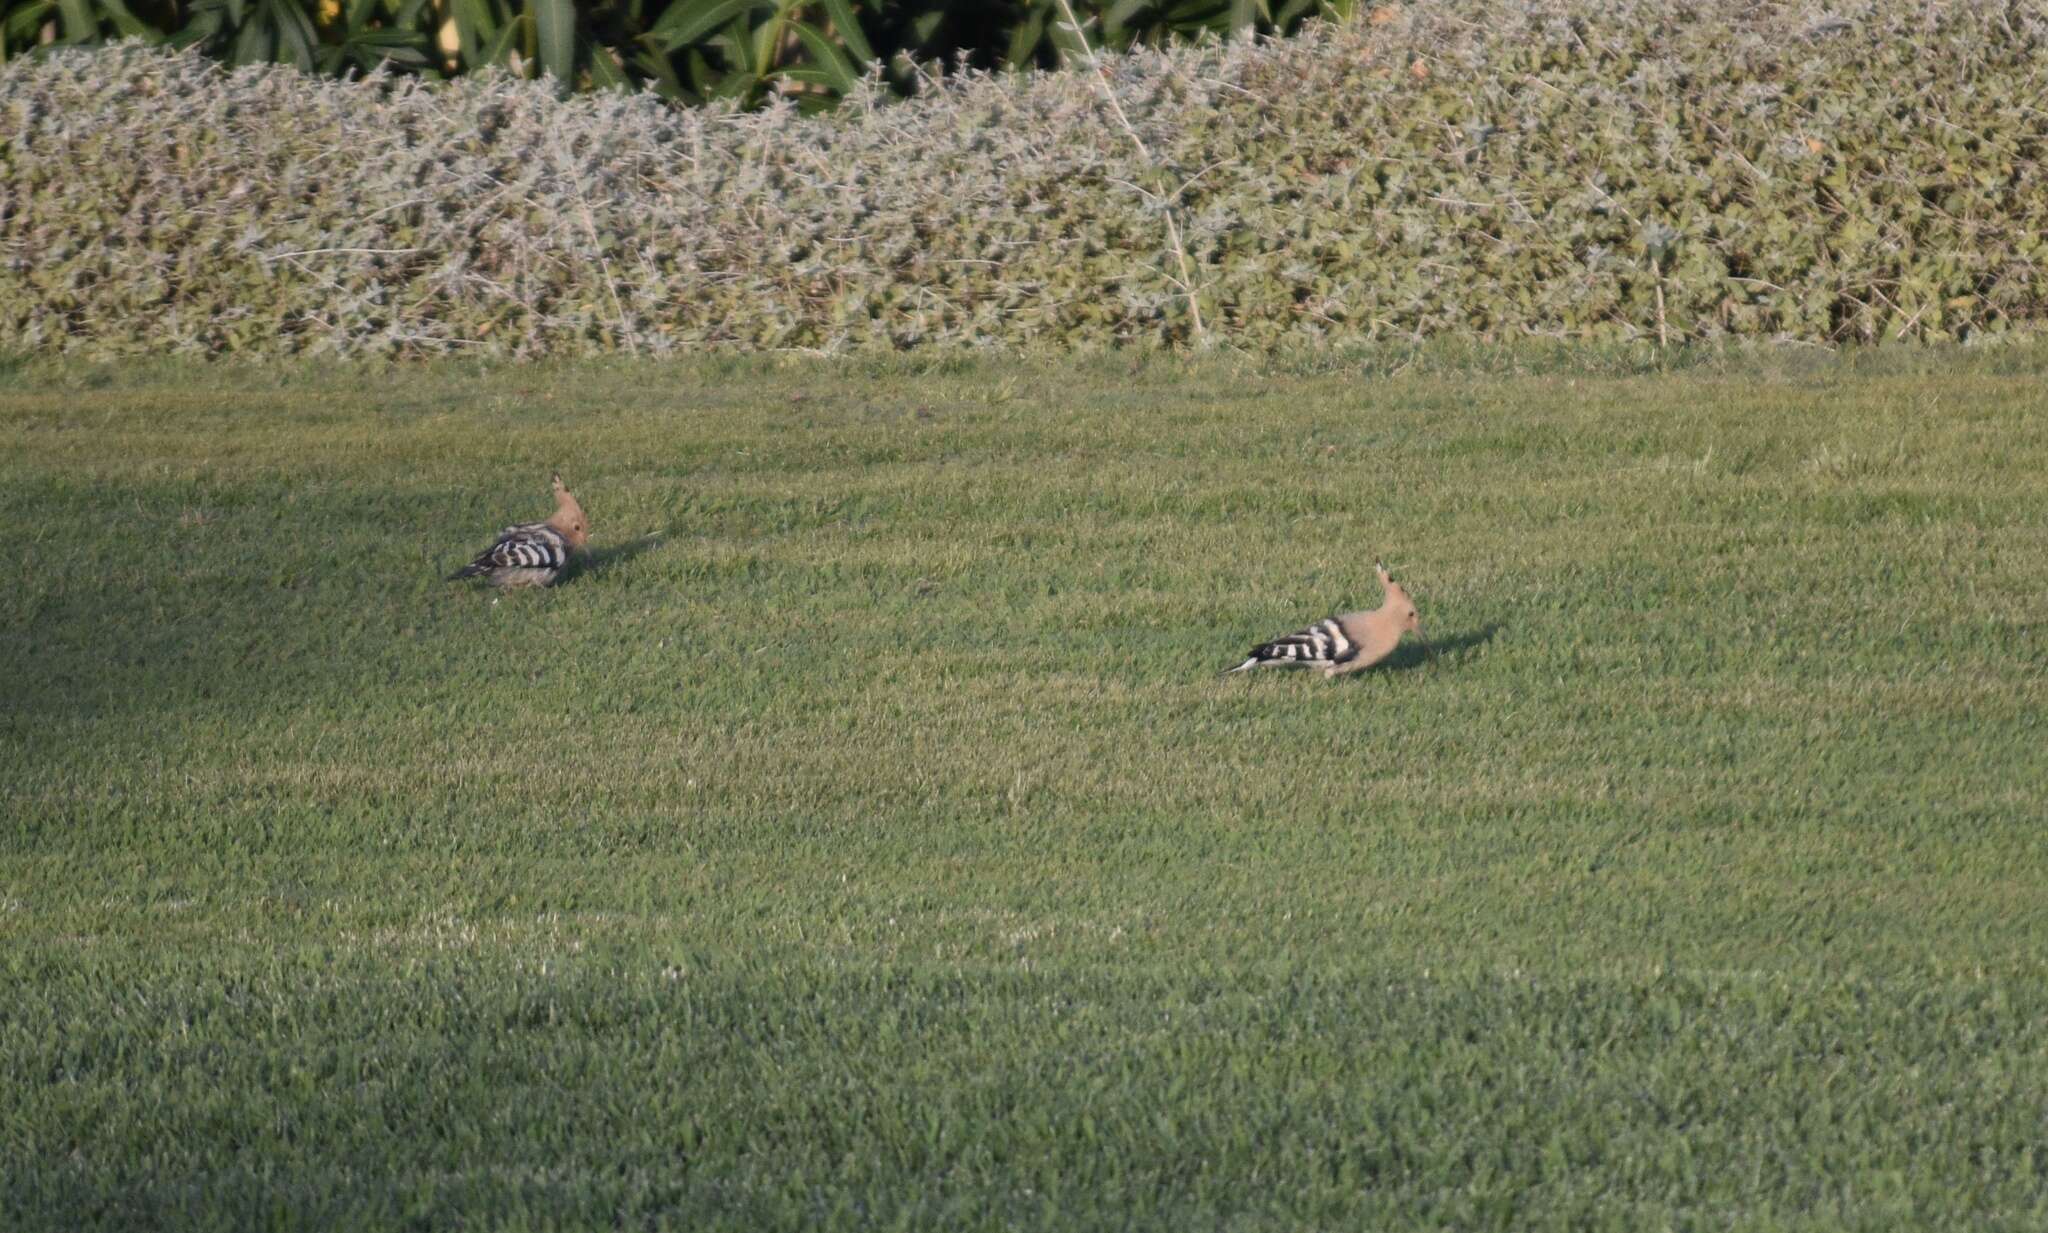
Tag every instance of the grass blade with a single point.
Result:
(128, 24)
(555, 27)
(295, 34)
(847, 27)
(605, 73)
(826, 58)
(81, 24)
(499, 50)
(685, 24)
(254, 44)
(476, 28)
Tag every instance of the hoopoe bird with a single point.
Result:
(533, 554)
(1346, 643)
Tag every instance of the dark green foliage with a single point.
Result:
(694, 50)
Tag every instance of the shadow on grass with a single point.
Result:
(1411, 655)
(597, 561)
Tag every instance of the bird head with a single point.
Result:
(1398, 602)
(568, 517)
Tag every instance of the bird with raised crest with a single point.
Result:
(1346, 643)
(533, 554)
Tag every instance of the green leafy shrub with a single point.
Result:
(1569, 170)
(691, 50)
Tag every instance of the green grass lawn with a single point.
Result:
(863, 837)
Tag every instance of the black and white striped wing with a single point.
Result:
(1321, 645)
(528, 546)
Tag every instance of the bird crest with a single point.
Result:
(568, 517)
(1397, 603)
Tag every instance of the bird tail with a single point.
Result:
(470, 570)
(1252, 662)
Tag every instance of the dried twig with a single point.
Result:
(317, 252)
(604, 266)
(1186, 281)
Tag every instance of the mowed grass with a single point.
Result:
(863, 837)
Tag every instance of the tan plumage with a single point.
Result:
(1346, 643)
(533, 554)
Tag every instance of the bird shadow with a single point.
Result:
(595, 561)
(1457, 646)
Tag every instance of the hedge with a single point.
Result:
(1469, 169)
